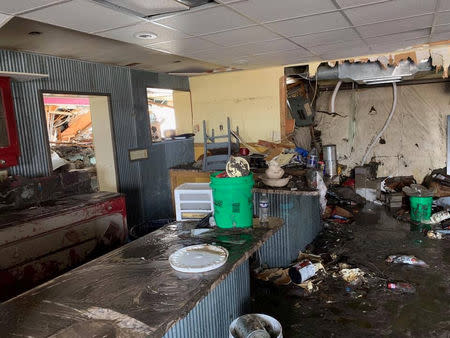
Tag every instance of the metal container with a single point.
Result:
(330, 168)
(329, 152)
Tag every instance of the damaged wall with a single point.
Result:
(415, 140)
(250, 98)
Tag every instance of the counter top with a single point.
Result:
(131, 291)
(51, 208)
(285, 191)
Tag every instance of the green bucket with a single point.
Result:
(233, 201)
(420, 208)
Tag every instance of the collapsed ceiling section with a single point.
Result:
(427, 61)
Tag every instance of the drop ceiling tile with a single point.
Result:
(399, 38)
(241, 36)
(346, 53)
(394, 46)
(4, 19)
(277, 45)
(205, 21)
(82, 15)
(442, 18)
(442, 29)
(127, 34)
(444, 5)
(18, 6)
(328, 48)
(282, 58)
(183, 46)
(270, 10)
(153, 7)
(310, 24)
(389, 10)
(396, 26)
(323, 38)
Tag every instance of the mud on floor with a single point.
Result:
(338, 309)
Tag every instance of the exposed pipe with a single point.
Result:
(375, 140)
(333, 97)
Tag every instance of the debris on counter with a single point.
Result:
(401, 287)
(274, 170)
(237, 167)
(405, 259)
(274, 175)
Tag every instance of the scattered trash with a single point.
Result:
(255, 325)
(250, 326)
(438, 217)
(302, 271)
(401, 287)
(353, 276)
(434, 234)
(404, 259)
(417, 190)
(443, 202)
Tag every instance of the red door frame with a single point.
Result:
(9, 155)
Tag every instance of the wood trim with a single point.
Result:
(283, 108)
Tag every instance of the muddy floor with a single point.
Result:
(338, 309)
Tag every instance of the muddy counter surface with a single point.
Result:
(131, 291)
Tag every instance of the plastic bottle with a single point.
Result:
(401, 287)
(264, 209)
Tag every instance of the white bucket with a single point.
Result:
(274, 324)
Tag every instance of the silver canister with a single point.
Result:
(329, 152)
(330, 168)
(330, 159)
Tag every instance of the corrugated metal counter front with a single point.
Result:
(134, 292)
(300, 212)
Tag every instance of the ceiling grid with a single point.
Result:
(250, 33)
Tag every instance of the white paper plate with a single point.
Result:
(198, 258)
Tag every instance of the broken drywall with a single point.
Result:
(414, 142)
(439, 53)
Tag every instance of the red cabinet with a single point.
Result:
(9, 143)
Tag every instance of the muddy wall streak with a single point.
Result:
(415, 140)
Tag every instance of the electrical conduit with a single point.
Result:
(333, 97)
(375, 140)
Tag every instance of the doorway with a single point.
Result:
(81, 136)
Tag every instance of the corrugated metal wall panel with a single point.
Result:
(301, 217)
(214, 314)
(155, 195)
(129, 118)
